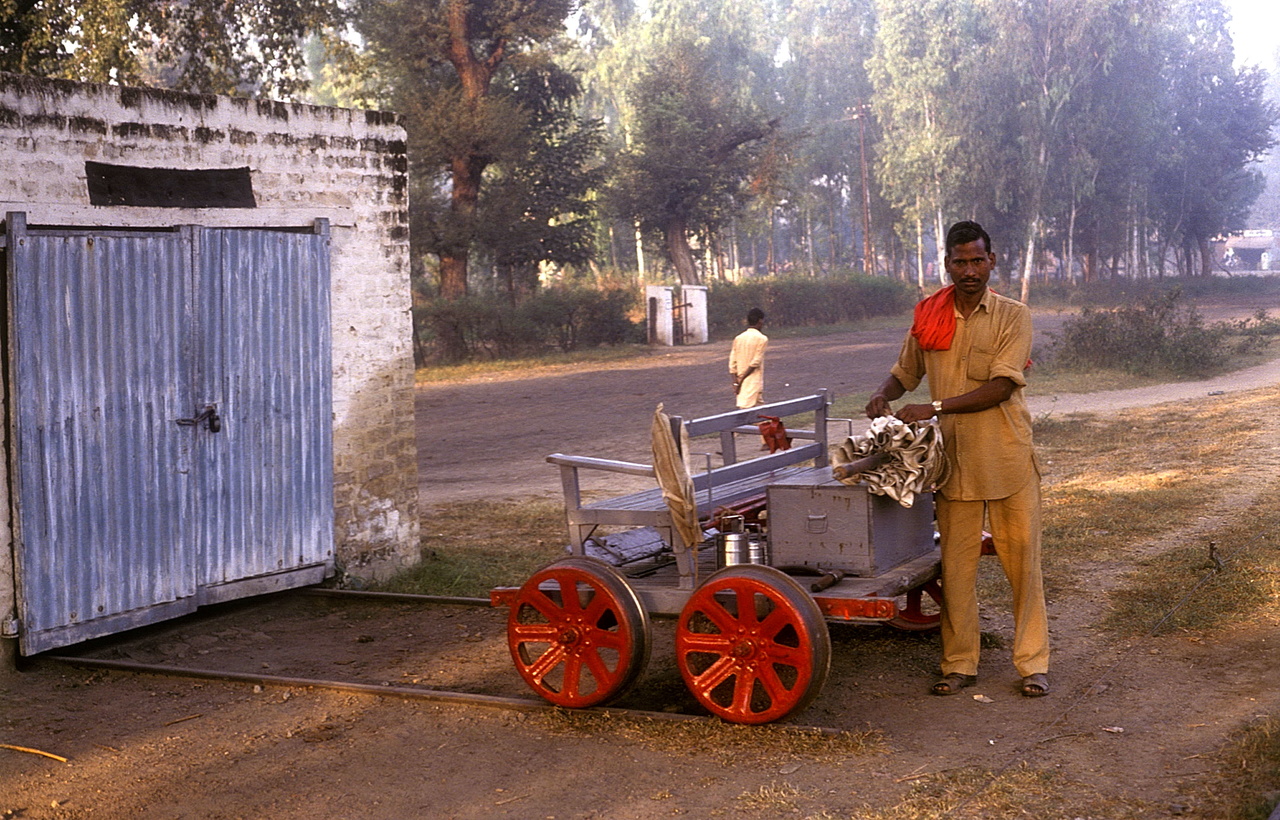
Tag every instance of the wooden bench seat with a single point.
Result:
(730, 481)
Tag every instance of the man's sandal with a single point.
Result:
(951, 683)
(1035, 686)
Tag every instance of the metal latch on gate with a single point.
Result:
(208, 416)
(9, 628)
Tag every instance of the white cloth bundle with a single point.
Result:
(916, 461)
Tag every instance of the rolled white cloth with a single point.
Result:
(916, 461)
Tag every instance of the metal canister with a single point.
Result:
(757, 549)
(734, 548)
(731, 549)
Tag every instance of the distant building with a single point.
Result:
(1252, 250)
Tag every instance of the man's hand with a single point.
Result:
(915, 412)
(878, 406)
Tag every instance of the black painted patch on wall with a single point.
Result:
(169, 187)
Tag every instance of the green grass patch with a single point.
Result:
(468, 549)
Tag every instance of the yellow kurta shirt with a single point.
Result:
(990, 452)
(747, 352)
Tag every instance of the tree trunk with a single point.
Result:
(681, 254)
(771, 262)
(1071, 244)
(467, 165)
(639, 252)
(833, 260)
(940, 241)
(1029, 263)
(453, 275)
(919, 254)
(808, 241)
(1206, 256)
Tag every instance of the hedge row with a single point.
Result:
(804, 302)
(573, 318)
(556, 318)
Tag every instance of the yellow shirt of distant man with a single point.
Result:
(746, 361)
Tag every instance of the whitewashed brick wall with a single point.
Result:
(306, 162)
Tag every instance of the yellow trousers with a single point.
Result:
(1015, 529)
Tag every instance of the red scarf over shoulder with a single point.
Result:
(934, 323)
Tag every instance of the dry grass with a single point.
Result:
(726, 742)
(468, 549)
(539, 366)
(978, 794)
(1110, 482)
(774, 798)
(1127, 491)
(1242, 582)
(1251, 765)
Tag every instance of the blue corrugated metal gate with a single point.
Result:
(171, 422)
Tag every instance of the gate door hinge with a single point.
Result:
(10, 627)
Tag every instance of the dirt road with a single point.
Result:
(487, 439)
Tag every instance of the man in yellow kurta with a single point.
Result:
(973, 345)
(746, 361)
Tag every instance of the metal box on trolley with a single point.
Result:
(816, 521)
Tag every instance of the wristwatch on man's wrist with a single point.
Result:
(937, 407)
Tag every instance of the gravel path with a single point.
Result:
(1110, 400)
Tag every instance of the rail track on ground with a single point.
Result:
(88, 660)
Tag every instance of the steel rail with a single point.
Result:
(402, 692)
(407, 597)
(388, 690)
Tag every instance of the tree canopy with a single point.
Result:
(705, 139)
(207, 46)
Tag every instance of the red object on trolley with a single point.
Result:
(774, 433)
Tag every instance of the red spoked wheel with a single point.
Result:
(578, 633)
(752, 645)
(920, 615)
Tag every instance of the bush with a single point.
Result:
(1160, 336)
(561, 318)
(1256, 333)
(804, 302)
(582, 317)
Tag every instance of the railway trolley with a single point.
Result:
(751, 637)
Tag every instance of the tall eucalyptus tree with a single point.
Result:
(826, 92)
(685, 169)
(1042, 57)
(692, 113)
(924, 71)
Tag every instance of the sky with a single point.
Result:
(1255, 30)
